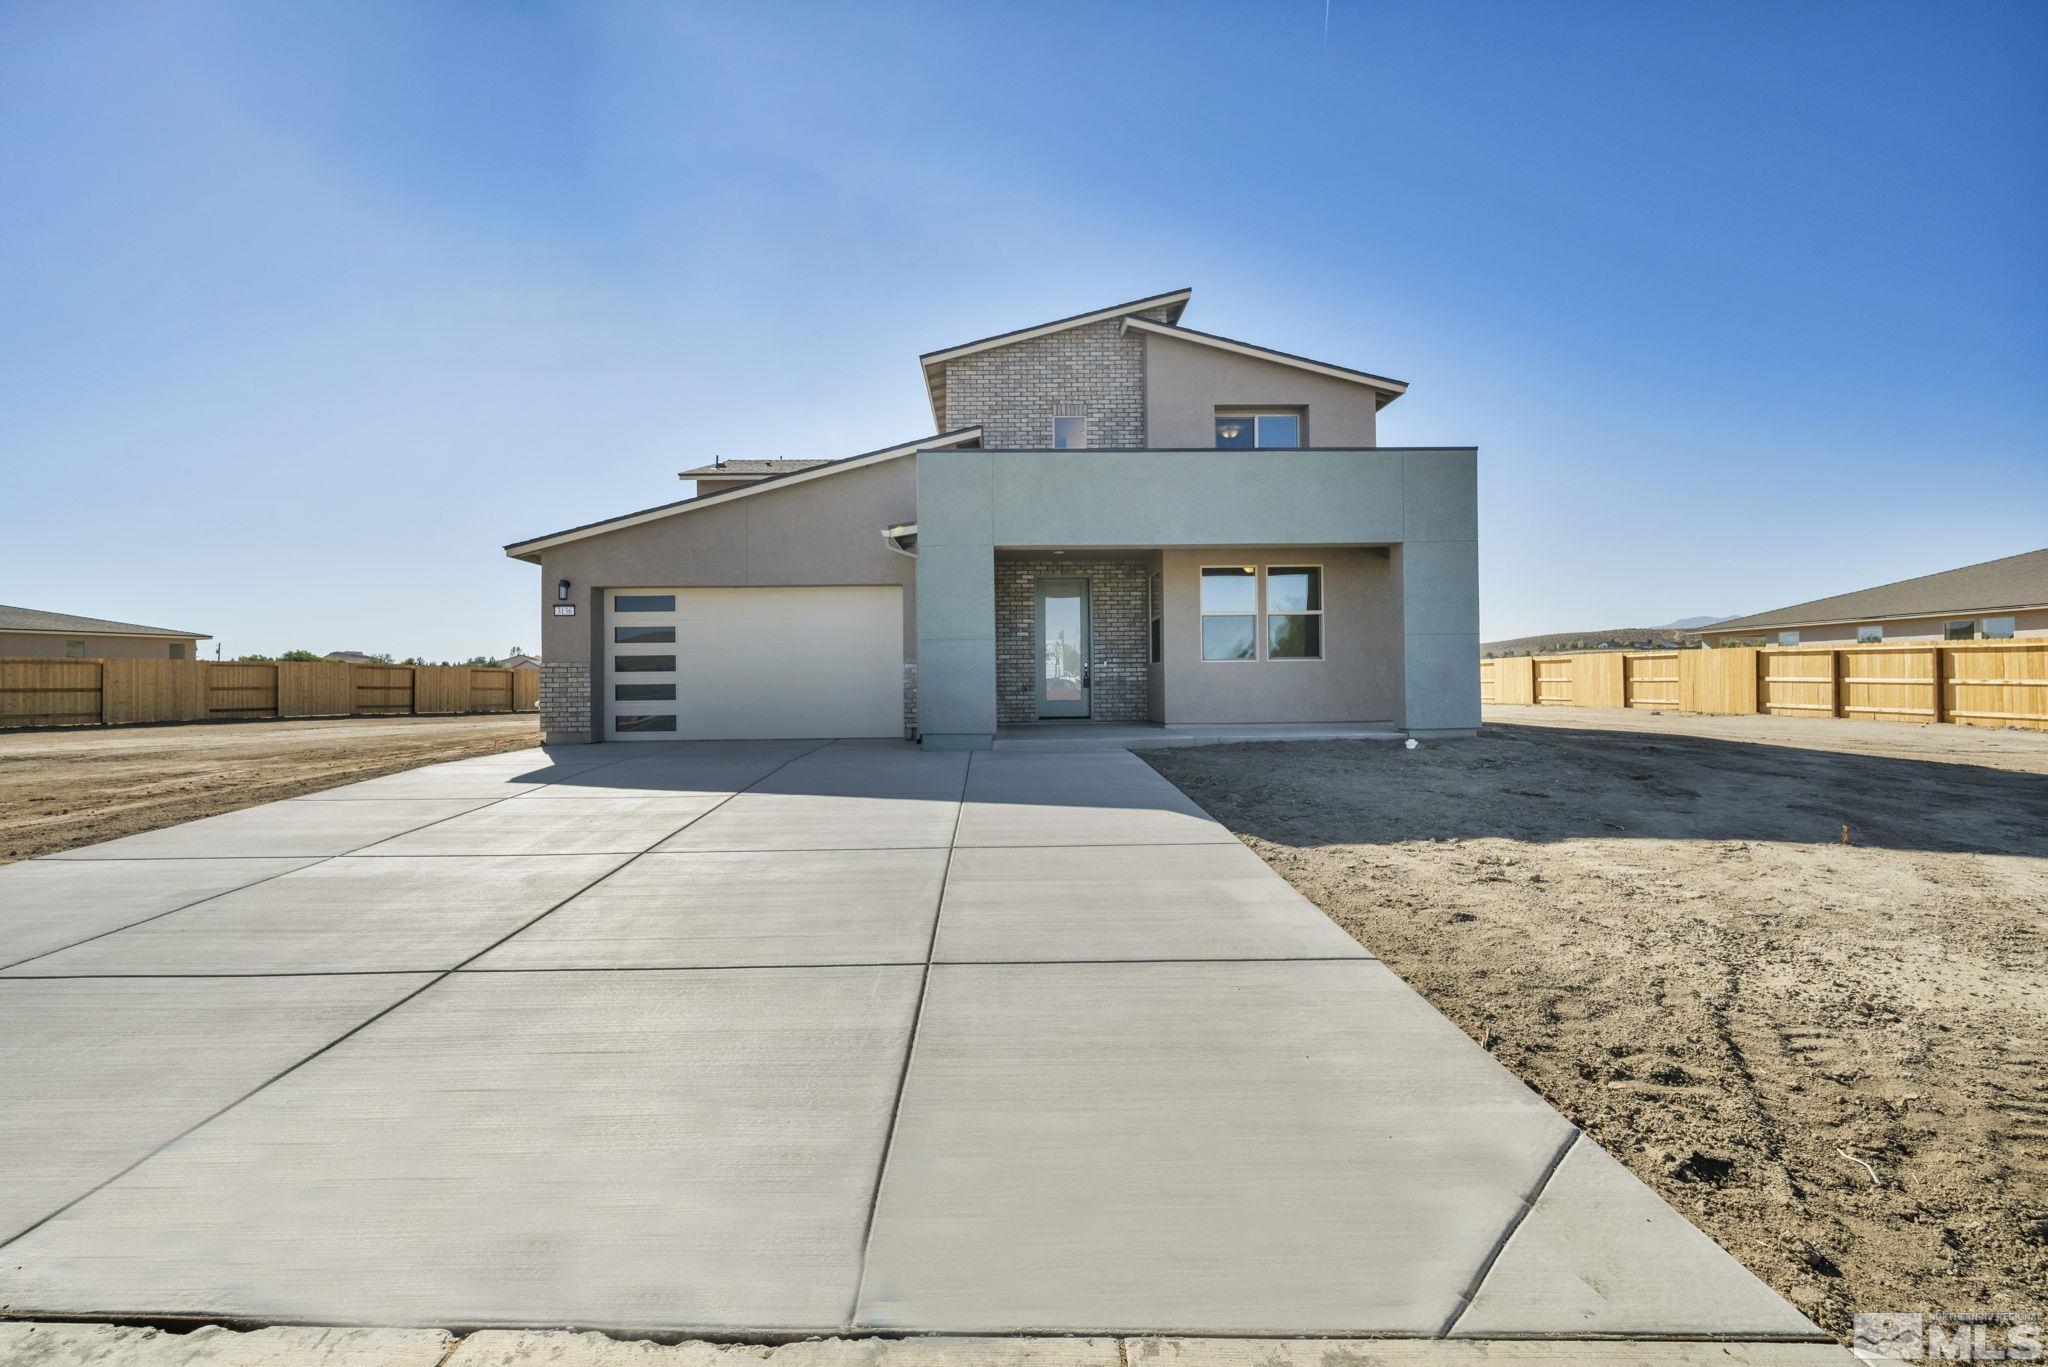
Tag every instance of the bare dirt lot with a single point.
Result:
(62, 789)
(1833, 1057)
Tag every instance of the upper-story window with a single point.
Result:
(1248, 428)
(1069, 434)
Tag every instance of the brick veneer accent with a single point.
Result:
(564, 696)
(1120, 633)
(1013, 391)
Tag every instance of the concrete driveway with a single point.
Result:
(777, 1039)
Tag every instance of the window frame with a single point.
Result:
(1254, 415)
(1203, 614)
(2012, 627)
(1158, 590)
(1266, 611)
(1949, 625)
(1876, 636)
(1059, 418)
(644, 721)
(74, 650)
(1788, 638)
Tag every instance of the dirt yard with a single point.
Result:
(1832, 1056)
(61, 789)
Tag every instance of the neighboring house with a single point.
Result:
(59, 635)
(1996, 599)
(1118, 519)
(518, 662)
(352, 657)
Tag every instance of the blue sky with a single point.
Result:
(305, 310)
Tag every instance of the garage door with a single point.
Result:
(753, 664)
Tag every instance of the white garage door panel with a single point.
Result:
(767, 663)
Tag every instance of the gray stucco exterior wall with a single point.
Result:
(1185, 383)
(1357, 679)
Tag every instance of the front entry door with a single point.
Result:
(1063, 648)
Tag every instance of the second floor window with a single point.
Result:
(1248, 429)
(1069, 434)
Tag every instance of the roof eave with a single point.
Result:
(1387, 390)
(1915, 614)
(153, 634)
(529, 550)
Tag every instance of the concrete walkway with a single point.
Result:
(1137, 735)
(777, 1040)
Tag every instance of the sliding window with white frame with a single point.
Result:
(1294, 612)
(1230, 612)
(1274, 614)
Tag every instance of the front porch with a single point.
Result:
(1187, 589)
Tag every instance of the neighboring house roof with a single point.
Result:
(934, 362)
(36, 622)
(531, 548)
(741, 469)
(351, 657)
(518, 662)
(1389, 390)
(2017, 581)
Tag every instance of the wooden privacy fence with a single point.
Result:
(1973, 683)
(115, 692)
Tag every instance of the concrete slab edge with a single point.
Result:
(60, 1343)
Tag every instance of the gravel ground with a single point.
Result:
(1793, 973)
(62, 789)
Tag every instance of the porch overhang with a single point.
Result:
(1419, 503)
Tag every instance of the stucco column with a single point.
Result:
(956, 600)
(1436, 568)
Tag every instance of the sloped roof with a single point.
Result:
(531, 548)
(1388, 390)
(2017, 581)
(934, 362)
(36, 621)
(740, 468)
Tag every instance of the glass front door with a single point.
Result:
(1063, 648)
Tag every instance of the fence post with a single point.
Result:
(1937, 668)
(1835, 682)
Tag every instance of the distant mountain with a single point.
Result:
(1694, 623)
(1614, 638)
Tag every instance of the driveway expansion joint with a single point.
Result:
(909, 1049)
(1500, 1245)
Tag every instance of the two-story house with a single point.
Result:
(1117, 519)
